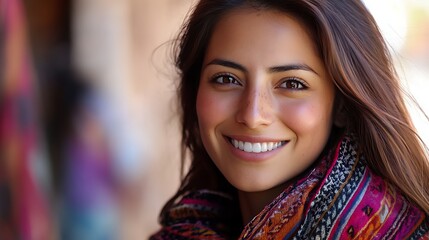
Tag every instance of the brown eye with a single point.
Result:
(225, 79)
(294, 84)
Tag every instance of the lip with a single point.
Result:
(253, 139)
(253, 157)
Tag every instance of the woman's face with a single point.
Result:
(264, 104)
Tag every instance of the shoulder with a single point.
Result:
(355, 202)
(198, 214)
(377, 208)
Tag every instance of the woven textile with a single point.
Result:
(339, 198)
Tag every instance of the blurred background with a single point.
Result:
(89, 134)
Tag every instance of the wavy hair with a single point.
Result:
(359, 63)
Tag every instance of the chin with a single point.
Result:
(252, 187)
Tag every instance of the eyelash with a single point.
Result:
(302, 85)
(232, 79)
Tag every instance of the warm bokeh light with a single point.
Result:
(405, 26)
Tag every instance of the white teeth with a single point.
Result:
(248, 147)
(235, 142)
(264, 147)
(240, 145)
(256, 147)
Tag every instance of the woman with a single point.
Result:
(296, 127)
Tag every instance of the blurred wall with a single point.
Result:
(123, 49)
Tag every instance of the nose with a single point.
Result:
(256, 109)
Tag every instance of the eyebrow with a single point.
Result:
(275, 69)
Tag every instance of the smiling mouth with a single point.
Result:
(256, 147)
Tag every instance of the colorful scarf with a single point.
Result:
(339, 198)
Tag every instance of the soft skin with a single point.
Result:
(262, 81)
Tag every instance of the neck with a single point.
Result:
(252, 203)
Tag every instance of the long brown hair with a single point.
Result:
(358, 62)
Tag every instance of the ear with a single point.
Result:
(340, 117)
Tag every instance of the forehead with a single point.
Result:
(267, 35)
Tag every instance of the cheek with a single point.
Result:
(308, 117)
(205, 107)
(211, 108)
